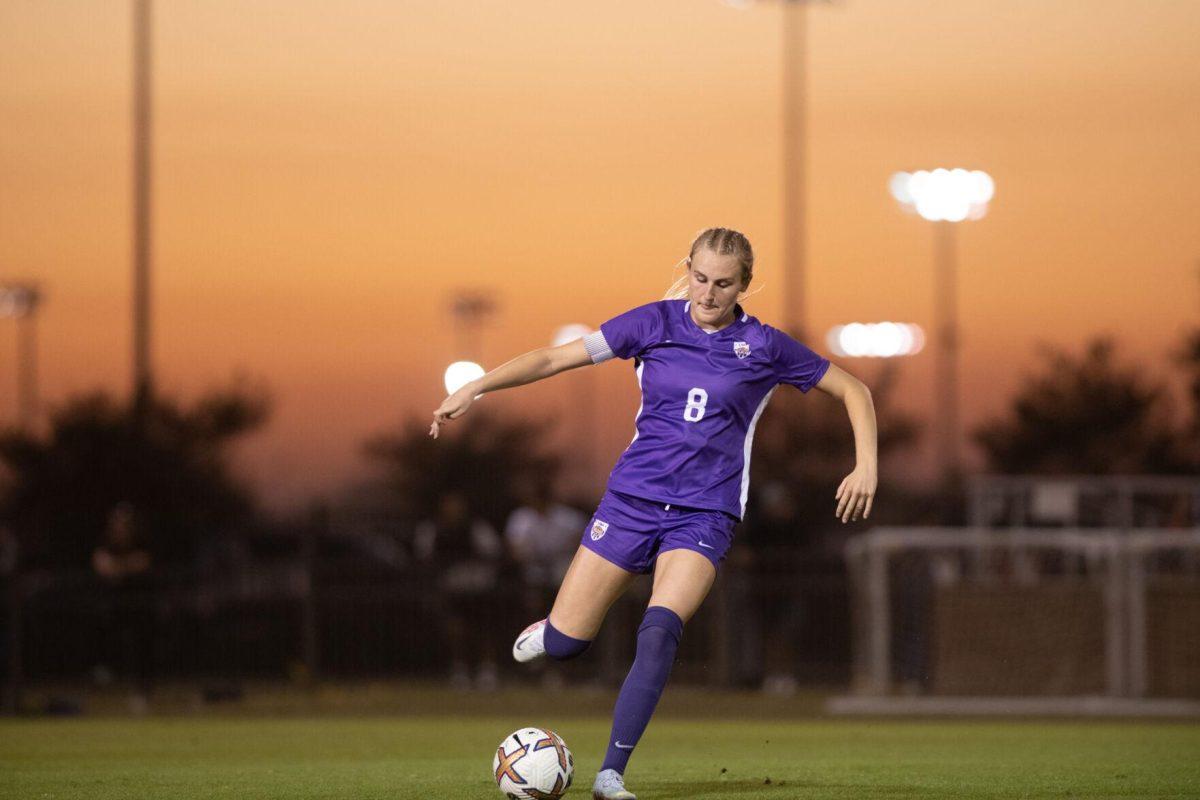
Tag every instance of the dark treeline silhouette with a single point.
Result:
(485, 457)
(1093, 414)
(1188, 359)
(171, 464)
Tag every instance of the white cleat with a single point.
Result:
(531, 643)
(610, 785)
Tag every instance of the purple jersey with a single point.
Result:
(702, 394)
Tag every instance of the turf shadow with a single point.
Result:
(679, 790)
(710, 790)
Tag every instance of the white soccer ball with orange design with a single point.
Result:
(533, 764)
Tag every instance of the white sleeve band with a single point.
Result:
(597, 347)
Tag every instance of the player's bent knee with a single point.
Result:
(660, 625)
(561, 647)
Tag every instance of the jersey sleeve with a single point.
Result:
(629, 334)
(794, 363)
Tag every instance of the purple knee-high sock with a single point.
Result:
(561, 647)
(657, 641)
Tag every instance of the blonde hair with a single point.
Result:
(723, 242)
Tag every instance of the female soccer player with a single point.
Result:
(706, 370)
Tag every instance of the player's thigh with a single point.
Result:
(682, 579)
(590, 587)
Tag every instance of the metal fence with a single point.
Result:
(1083, 501)
(333, 608)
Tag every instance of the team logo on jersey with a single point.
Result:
(741, 349)
(599, 528)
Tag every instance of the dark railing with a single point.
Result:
(302, 618)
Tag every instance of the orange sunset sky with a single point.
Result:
(326, 174)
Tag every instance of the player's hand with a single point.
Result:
(856, 494)
(453, 407)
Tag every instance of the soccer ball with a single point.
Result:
(533, 764)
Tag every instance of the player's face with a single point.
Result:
(714, 284)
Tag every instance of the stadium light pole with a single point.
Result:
(794, 88)
(470, 309)
(945, 197)
(20, 301)
(143, 379)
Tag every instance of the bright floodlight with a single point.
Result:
(950, 195)
(875, 339)
(569, 333)
(460, 373)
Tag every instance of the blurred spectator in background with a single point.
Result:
(9, 601)
(770, 552)
(124, 566)
(462, 554)
(911, 579)
(542, 536)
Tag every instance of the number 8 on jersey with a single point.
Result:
(697, 400)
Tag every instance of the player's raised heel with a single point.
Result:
(531, 643)
(610, 785)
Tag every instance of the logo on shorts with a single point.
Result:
(741, 349)
(599, 528)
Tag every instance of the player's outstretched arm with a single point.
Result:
(857, 490)
(527, 368)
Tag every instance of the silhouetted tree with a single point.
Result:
(1188, 358)
(483, 455)
(58, 488)
(1085, 415)
(806, 443)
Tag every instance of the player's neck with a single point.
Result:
(719, 325)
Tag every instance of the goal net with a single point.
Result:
(1025, 620)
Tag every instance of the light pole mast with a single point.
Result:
(470, 309)
(21, 301)
(795, 151)
(143, 379)
(946, 326)
(945, 197)
(794, 29)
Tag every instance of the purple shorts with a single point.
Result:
(631, 532)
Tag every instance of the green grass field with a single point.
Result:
(427, 755)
